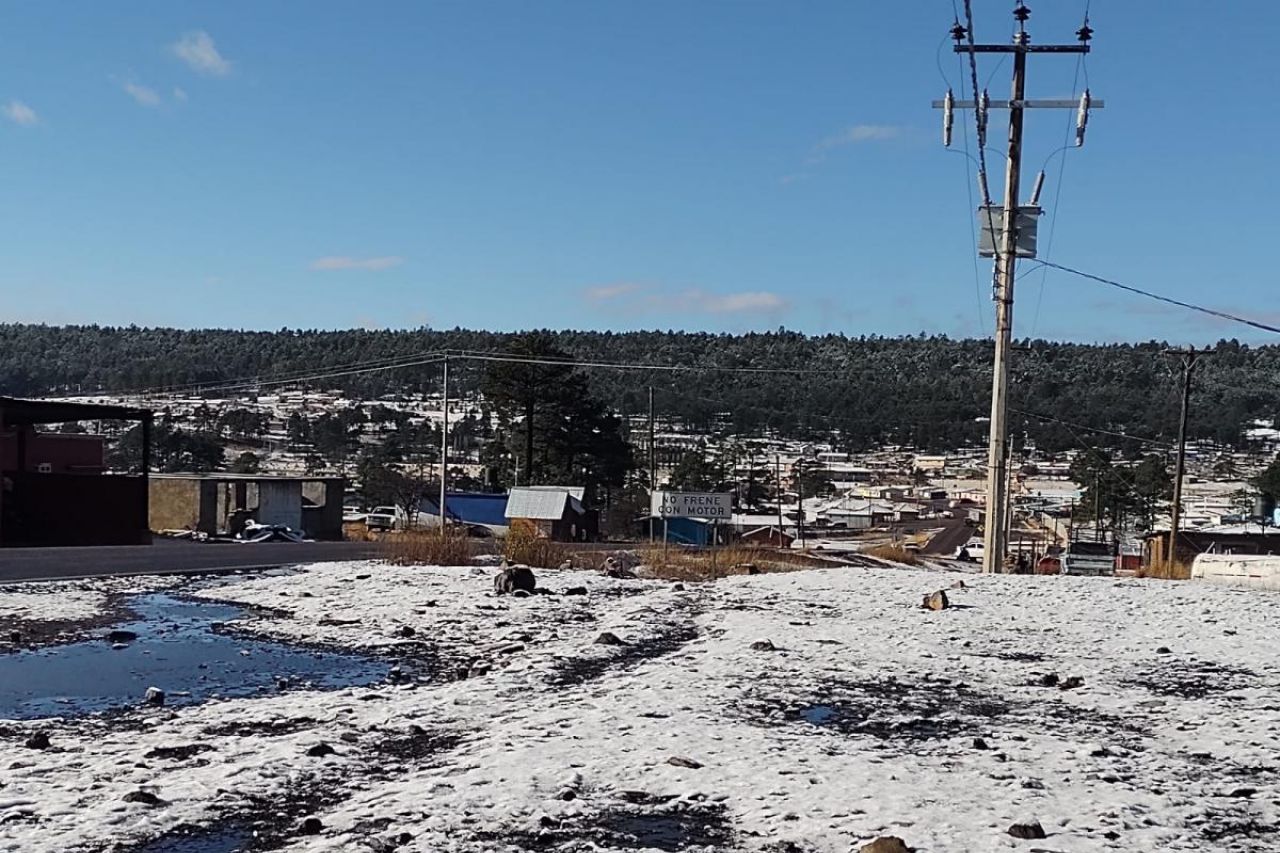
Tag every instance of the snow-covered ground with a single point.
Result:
(868, 716)
(49, 611)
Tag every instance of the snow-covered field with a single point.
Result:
(868, 716)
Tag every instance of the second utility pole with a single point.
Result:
(444, 444)
(1189, 359)
(653, 470)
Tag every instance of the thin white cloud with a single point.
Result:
(655, 300)
(179, 94)
(604, 292)
(21, 114)
(346, 262)
(860, 133)
(739, 303)
(201, 55)
(144, 95)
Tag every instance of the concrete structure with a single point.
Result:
(220, 504)
(1233, 539)
(53, 489)
(1255, 571)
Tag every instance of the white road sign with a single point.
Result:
(712, 505)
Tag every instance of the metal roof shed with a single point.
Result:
(540, 504)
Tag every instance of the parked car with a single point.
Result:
(974, 550)
(386, 518)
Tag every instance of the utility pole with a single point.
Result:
(1189, 358)
(777, 461)
(1006, 243)
(653, 468)
(800, 499)
(1097, 505)
(444, 446)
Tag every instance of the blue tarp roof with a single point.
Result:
(471, 508)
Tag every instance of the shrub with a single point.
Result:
(687, 564)
(1179, 571)
(427, 547)
(523, 546)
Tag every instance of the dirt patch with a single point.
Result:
(260, 728)
(263, 823)
(1194, 679)
(180, 752)
(676, 827)
(417, 744)
(667, 640)
(887, 709)
(258, 823)
(1239, 833)
(18, 635)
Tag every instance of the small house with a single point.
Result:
(556, 512)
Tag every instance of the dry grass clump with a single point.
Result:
(428, 548)
(895, 554)
(357, 531)
(523, 546)
(1179, 571)
(700, 564)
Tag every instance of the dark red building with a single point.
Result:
(53, 489)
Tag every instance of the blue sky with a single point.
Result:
(712, 165)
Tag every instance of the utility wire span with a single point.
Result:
(977, 97)
(437, 356)
(1070, 425)
(1166, 299)
(624, 365)
(412, 359)
(329, 374)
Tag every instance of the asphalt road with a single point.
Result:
(948, 539)
(169, 557)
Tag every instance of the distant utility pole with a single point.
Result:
(1007, 243)
(444, 445)
(1189, 359)
(653, 468)
(777, 462)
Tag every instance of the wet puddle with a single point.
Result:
(172, 645)
(819, 715)
(209, 841)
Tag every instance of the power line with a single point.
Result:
(436, 356)
(1166, 299)
(276, 378)
(1057, 187)
(1051, 419)
(968, 188)
(633, 365)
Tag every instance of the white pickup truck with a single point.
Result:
(386, 518)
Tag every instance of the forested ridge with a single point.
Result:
(931, 392)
